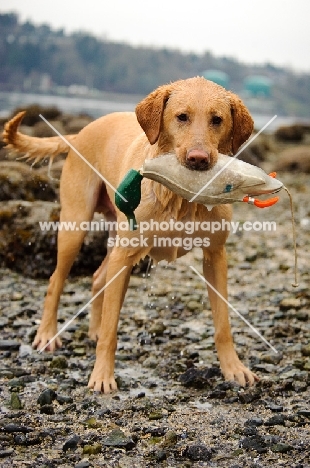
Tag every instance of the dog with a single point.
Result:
(193, 118)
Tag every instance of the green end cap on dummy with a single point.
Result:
(128, 196)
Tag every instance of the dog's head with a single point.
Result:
(196, 119)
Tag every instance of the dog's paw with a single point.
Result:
(101, 380)
(45, 340)
(236, 371)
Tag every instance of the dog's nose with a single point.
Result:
(198, 160)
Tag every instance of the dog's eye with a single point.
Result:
(216, 120)
(182, 117)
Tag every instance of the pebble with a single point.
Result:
(274, 407)
(16, 296)
(198, 378)
(12, 428)
(254, 422)
(46, 397)
(305, 350)
(72, 443)
(117, 438)
(254, 442)
(9, 345)
(28, 439)
(290, 303)
(278, 419)
(154, 415)
(16, 383)
(281, 448)
(157, 329)
(301, 315)
(79, 351)
(250, 430)
(265, 368)
(92, 449)
(249, 396)
(25, 350)
(5, 373)
(198, 452)
(171, 439)
(92, 423)
(83, 464)
(6, 453)
(306, 365)
(47, 409)
(160, 456)
(59, 362)
(271, 358)
(15, 401)
(63, 399)
(300, 386)
(194, 305)
(304, 412)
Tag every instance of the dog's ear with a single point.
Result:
(149, 112)
(242, 122)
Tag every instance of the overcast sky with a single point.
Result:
(252, 31)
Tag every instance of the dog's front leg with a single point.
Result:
(102, 378)
(215, 272)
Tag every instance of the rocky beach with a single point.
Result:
(173, 408)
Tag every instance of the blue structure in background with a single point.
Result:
(219, 77)
(258, 86)
(255, 90)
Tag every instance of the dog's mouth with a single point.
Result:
(201, 166)
(197, 166)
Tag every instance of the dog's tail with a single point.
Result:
(34, 148)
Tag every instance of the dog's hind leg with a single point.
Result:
(78, 206)
(99, 277)
(99, 281)
(69, 245)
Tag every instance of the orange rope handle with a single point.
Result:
(261, 203)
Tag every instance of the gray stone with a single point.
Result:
(9, 345)
(117, 438)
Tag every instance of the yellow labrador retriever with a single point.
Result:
(193, 118)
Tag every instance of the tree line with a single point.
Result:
(28, 52)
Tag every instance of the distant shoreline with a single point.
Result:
(95, 106)
(105, 103)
